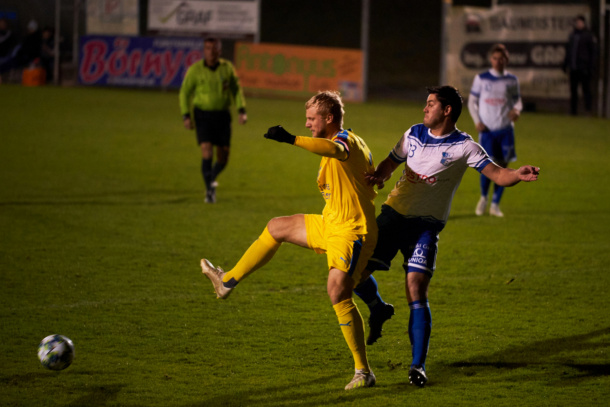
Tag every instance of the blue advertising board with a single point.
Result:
(136, 61)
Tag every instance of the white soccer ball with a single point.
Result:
(56, 352)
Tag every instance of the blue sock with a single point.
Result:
(498, 190)
(411, 329)
(485, 183)
(420, 327)
(368, 292)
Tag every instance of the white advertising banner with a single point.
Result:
(112, 17)
(535, 36)
(202, 16)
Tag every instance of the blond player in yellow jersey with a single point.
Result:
(346, 231)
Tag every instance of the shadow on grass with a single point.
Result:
(92, 396)
(463, 216)
(298, 393)
(540, 353)
(153, 197)
(17, 380)
(97, 395)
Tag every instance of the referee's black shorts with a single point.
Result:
(213, 126)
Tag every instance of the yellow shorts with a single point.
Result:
(345, 250)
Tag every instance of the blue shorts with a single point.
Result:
(416, 238)
(499, 144)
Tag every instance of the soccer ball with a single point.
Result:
(56, 352)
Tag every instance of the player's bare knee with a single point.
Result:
(274, 228)
(339, 286)
(417, 286)
(290, 229)
(206, 151)
(279, 228)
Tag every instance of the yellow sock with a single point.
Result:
(352, 326)
(257, 255)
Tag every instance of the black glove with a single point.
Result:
(278, 133)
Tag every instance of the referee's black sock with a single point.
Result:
(218, 167)
(206, 171)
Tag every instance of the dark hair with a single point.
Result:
(448, 95)
(501, 48)
(215, 40)
(581, 18)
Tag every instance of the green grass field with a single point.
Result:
(103, 225)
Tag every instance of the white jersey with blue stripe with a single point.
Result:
(434, 167)
(492, 96)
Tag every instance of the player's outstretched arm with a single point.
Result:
(507, 177)
(320, 146)
(382, 173)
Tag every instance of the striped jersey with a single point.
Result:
(434, 167)
(349, 198)
(492, 96)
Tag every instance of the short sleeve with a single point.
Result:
(400, 150)
(475, 90)
(476, 157)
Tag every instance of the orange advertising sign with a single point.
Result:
(291, 70)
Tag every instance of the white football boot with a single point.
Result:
(494, 210)
(481, 205)
(361, 379)
(215, 275)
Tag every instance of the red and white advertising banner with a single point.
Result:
(153, 62)
(535, 35)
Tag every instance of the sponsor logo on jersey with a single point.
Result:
(447, 159)
(416, 178)
(325, 191)
(495, 101)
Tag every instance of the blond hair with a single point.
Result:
(328, 102)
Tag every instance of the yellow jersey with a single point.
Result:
(349, 199)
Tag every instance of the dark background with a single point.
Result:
(404, 35)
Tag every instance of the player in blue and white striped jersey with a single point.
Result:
(436, 155)
(495, 104)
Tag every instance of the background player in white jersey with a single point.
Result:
(495, 104)
(436, 155)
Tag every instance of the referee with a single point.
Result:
(209, 87)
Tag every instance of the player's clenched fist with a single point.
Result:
(278, 133)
